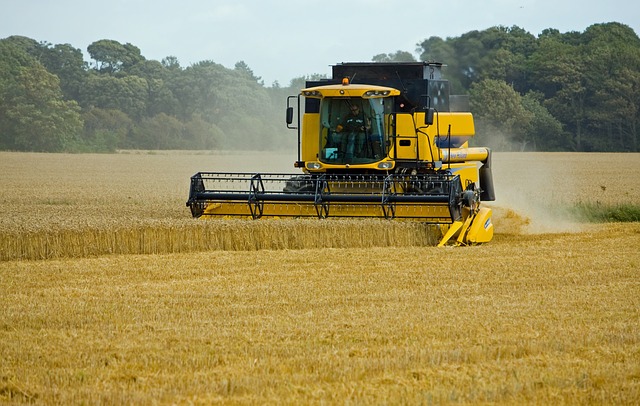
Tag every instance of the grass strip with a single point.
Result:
(607, 213)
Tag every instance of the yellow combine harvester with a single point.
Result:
(377, 140)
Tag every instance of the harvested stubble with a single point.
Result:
(174, 236)
(523, 320)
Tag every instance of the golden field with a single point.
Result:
(111, 294)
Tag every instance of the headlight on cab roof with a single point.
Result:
(376, 93)
(314, 165)
(312, 93)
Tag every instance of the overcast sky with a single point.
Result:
(283, 39)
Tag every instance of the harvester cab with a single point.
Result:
(375, 140)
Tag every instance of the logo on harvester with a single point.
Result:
(487, 223)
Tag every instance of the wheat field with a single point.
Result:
(111, 294)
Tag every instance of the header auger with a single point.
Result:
(377, 140)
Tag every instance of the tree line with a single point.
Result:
(52, 100)
(575, 91)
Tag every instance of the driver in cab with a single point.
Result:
(353, 127)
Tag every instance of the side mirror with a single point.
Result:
(428, 115)
(289, 115)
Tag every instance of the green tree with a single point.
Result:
(543, 132)
(68, 64)
(501, 118)
(12, 59)
(243, 68)
(113, 57)
(495, 53)
(200, 134)
(232, 100)
(62, 60)
(128, 94)
(160, 98)
(436, 49)
(468, 50)
(246, 113)
(37, 116)
(171, 63)
(197, 90)
(505, 65)
(398, 56)
(612, 109)
(27, 45)
(166, 132)
(159, 132)
(614, 121)
(559, 71)
(106, 130)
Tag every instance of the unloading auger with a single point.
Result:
(394, 145)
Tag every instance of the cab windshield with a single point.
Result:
(352, 130)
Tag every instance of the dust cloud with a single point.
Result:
(531, 195)
(529, 191)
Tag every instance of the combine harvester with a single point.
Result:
(377, 140)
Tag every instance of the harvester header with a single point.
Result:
(375, 140)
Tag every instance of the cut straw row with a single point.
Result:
(228, 235)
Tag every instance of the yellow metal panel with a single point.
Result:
(435, 213)
(453, 229)
(464, 154)
(310, 136)
(481, 229)
(350, 90)
(406, 146)
(461, 124)
(467, 171)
